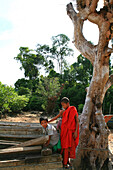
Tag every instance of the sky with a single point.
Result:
(29, 22)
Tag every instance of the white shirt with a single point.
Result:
(51, 131)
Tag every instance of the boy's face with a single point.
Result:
(65, 105)
(44, 123)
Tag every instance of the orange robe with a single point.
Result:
(68, 127)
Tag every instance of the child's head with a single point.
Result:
(65, 102)
(44, 121)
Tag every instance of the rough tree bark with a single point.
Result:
(93, 146)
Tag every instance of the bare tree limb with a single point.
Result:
(93, 5)
(96, 19)
(85, 47)
(103, 38)
(103, 28)
(82, 4)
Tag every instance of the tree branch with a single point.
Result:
(86, 48)
(109, 83)
(96, 18)
(103, 28)
(93, 5)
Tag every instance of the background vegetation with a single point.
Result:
(43, 93)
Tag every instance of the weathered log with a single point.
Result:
(21, 124)
(49, 166)
(19, 149)
(21, 132)
(19, 136)
(38, 141)
(32, 160)
(6, 142)
(19, 128)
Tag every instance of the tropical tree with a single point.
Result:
(50, 89)
(60, 50)
(93, 145)
(30, 61)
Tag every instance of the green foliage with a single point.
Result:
(76, 79)
(18, 103)
(35, 103)
(49, 89)
(10, 101)
(108, 102)
(76, 94)
(24, 91)
(44, 92)
(23, 83)
(30, 62)
(27, 84)
(80, 108)
(60, 50)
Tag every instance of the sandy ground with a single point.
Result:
(27, 117)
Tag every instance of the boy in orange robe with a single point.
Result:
(69, 130)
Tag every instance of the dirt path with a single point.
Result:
(27, 117)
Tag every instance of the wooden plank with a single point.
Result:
(22, 124)
(47, 166)
(21, 132)
(38, 141)
(18, 128)
(20, 136)
(32, 160)
(19, 149)
(6, 142)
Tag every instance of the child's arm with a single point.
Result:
(48, 142)
(56, 117)
(77, 123)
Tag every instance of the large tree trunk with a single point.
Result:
(93, 146)
(92, 153)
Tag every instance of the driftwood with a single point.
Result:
(38, 141)
(19, 136)
(20, 149)
(37, 159)
(19, 128)
(6, 142)
(21, 124)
